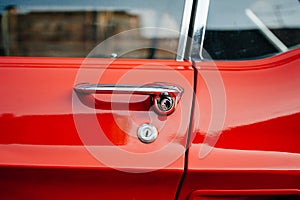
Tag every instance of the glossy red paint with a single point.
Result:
(257, 144)
(244, 194)
(78, 183)
(255, 149)
(50, 149)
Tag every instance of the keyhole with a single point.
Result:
(147, 133)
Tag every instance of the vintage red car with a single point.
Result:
(188, 99)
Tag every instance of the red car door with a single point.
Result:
(245, 140)
(106, 125)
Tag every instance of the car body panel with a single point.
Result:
(49, 144)
(257, 145)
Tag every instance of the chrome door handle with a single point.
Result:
(164, 96)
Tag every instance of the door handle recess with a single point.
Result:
(164, 96)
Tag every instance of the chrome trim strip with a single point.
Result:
(151, 89)
(199, 29)
(185, 23)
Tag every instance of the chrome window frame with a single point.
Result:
(199, 29)
(184, 30)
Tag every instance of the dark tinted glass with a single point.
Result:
(239, 30)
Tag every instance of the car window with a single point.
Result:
(67, 28)
(251, 29)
